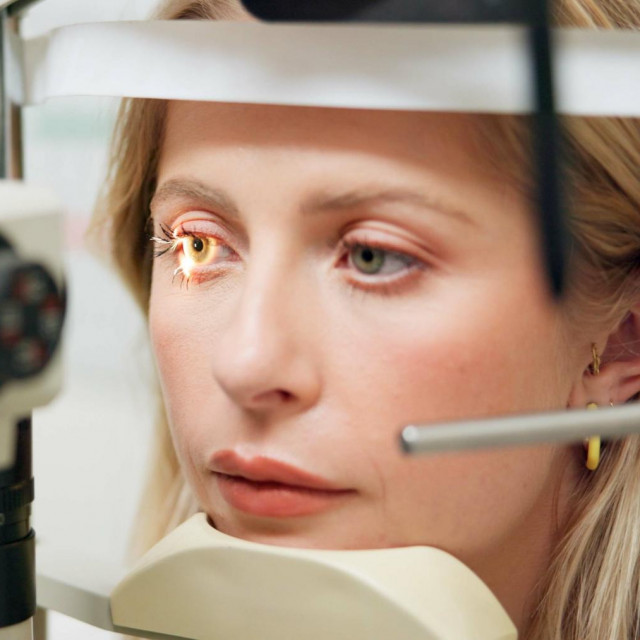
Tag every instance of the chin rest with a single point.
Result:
(200, 584)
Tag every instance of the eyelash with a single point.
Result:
(171, 240)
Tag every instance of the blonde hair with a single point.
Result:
(592, 588)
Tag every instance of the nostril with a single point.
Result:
(276, 396)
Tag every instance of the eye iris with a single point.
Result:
(199, 250)
(372, 261)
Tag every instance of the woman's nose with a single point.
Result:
(265, 358)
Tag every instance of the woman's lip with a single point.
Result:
(267, 470)
(270, 499)
(265, 487)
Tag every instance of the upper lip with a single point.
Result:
(263, 469)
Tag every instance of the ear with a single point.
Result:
(619, 377)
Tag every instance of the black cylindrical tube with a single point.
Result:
(17, 581)
(17, 539)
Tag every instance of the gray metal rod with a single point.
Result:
(562, 426)
(4, 101)
(11, 152)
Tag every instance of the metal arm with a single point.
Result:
(11, 157)
(11, 165)
(21, 573)
(560, 426)
(20, 576)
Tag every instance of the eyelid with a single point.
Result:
(202, 227)
(208, 223)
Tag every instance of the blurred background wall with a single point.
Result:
(91, 443)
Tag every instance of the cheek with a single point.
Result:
(459, 357)
(470, 502)
(179, 371)
(168, 337)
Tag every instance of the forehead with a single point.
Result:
(416, 137)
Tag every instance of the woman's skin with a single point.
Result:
(284, 345)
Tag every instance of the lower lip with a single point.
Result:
(275, 500)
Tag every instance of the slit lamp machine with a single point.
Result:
(497, 56)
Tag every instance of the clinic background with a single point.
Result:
(90, 444)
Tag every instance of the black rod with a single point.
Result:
(547, 150)
(17, 538)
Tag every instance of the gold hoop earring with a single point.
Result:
(593, 446)
(594, 367)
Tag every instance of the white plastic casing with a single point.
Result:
(31, 221)
(201, 584)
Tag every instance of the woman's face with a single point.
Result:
(333, 275)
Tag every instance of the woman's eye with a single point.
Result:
(196, 254)
(200, 251)
(193, 252)
(371, 260)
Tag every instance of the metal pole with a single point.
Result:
(560, 426)
(40, 624)
(11, 157)
(11, 166)
(17, 541)
(4, 118)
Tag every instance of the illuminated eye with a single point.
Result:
(368, 259)
(199, 251)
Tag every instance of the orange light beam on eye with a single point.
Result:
(186, 265)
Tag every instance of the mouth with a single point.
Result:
(266, 487)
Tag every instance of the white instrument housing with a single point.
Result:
(189, 586)
(31, 221)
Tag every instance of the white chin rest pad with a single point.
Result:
(201, 584)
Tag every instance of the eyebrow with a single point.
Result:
(375, 196)
(319, 202)
(194, 190)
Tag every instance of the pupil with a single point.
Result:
(368, 259)
(197, 244)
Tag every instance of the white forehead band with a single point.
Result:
(448, 68)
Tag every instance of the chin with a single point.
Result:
(300, 534)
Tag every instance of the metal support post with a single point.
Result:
(11, 159)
